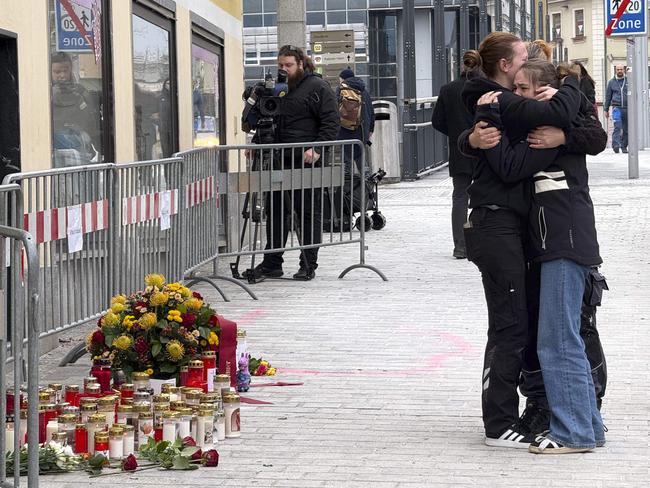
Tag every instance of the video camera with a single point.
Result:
(264, 101)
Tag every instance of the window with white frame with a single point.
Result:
(579, 23)
(556, 27)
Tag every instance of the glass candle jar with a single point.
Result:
(86, 410)
(127, 390)
(43, 397)
(61, 406)
(145, 428)
(116, 443)
(161, 398)
(89, 380)
(60, 438)
(170, 426)
(128, 440)
(49, 414)
(185, 390)
(51, 427)
(93, 390)
(58, 391)
(96, 423)
(106, 405)
(209, 367)
(242, 346)
(101, 444)
(22, 429)
(80, 439)
(177, 405)
(72, 395)
(222, 383)
(231, 407)
(184, 422)
(182, 375)
(174, 393)
(101, 370)
(221, 425)
(141, 380)
(195, 373)
(205, 428)
(67, 424)
(142, 396)
(193, 398)
(125, 414)
(72, 410)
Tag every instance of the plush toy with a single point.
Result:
(243, 375)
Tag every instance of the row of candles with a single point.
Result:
(115, 422)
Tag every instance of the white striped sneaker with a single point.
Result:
(544, 445)
(512, 438)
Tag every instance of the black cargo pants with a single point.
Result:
(493, 240)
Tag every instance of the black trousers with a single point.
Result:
(493, 240)
(279, 209)
(531, 381)
(459, 200)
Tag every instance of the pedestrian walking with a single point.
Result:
(616, 99)
(451, 117)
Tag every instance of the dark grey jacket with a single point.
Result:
(616, 93)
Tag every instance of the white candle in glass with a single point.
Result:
(9, 437)
(51, 428)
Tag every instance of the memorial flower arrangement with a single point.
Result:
(157, 330)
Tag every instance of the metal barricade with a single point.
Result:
(19, 292)
(431, 146)
(69, 213)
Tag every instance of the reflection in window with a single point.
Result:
(154, 115)
(205, 96)
(76, 97)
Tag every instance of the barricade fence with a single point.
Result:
(20, 316)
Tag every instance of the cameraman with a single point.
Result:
(309, 114)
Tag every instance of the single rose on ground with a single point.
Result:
(130, 463)
(211, 458)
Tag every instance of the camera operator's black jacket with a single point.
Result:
(309, 114)
(519, 115)
(561, 219)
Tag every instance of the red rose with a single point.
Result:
(141, 346)
(198, 454)
(213, 321)
(189, 319)
(211, 458)
(129, 463)
(189, 441)
(98, 338)
(196, 294)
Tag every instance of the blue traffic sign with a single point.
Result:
(74, 25)
(631, 22)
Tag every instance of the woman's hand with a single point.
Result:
(546, 137)
(545, 93)
(484, 136)
(489, 97)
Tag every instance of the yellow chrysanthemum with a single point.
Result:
(174, 316)
(148, 320)
(194, 304)
(213, 339)
(149, 371)
(204, 343)
(118, 307)
(271, 372)
(158, 299)
(129, 321)
(155, 280)
(173, 287)
(175, 350)
(118, 299)
(185, 292)
(110, 319)
(122, 342)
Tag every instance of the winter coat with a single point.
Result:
(519, 115)
(561, 217)
(362, 133)
(616, 93)
(451, 117)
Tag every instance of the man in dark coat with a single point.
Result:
(451, 117)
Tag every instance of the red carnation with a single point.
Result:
(130, 463)
(98, 338)
(211, 458)
(196, 294)
(141, 346)
(189, 319)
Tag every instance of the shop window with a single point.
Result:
(155, 85)
(80, 116)
(207, 91)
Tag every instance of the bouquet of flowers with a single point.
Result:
(157, 330)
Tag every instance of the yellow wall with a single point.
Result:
(33, 79)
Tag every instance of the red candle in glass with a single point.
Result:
(80, 439)
(42, 432)
(195, 373)
(72, 395)
(209, 363)
(157, 434)
(101, 442)
(102, 371)
(126, 390)
(183, 374)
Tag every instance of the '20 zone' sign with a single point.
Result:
(625, 17)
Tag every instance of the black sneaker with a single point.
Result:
(624, 150)
(544, 445)
(534, 419)
(262, 270)
(304, 274)
(460, 253)
(615, 150)
(512, 438)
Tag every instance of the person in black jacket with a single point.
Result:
(451, 117)
(309, 114)
(563, 239)
(496, 227)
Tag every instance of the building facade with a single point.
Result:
(378, 36)
(98, 81)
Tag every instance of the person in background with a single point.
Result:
(616, 97)
(451, 117)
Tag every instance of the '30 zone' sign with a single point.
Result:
(625, 17)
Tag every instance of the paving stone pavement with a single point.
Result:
(391, 370)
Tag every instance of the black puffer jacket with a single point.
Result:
(561, 218)
(519, 115)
